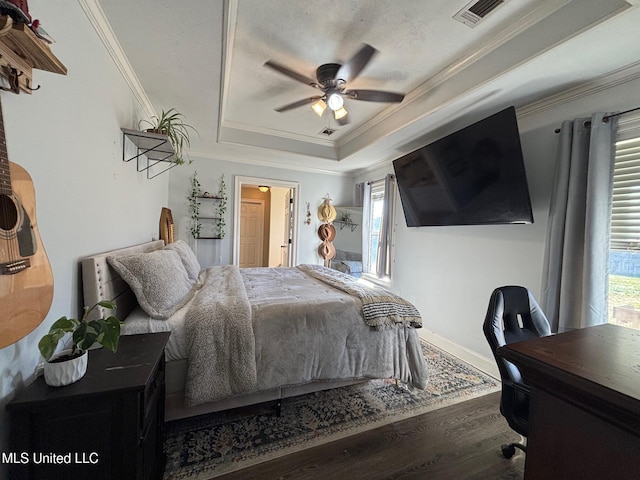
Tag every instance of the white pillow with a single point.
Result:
(158, 279)
(188, 258)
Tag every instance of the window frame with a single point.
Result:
(624, 228)
(377, 188)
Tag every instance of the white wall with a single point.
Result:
(67, 136)
(313, 187)
(450, 272)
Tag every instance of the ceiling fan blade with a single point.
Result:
(299, 103)
(290, 73)
(354, 66)
(375, 96)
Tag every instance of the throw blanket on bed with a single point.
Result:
(220, 338)
(380, 308)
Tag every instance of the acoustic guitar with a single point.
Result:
(26, 280)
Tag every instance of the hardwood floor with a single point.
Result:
(460, 442)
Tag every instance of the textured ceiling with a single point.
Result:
(207, 58)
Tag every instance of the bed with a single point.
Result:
(277, 332)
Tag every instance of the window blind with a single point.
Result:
(629, 126)
(625, 211)
(377, 189)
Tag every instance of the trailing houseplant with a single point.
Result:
(222, 207)
(194, 206)
(84, 333)
(171, 123)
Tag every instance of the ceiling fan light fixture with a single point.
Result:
(335, 101)
(319, 107)
(263, 188)
(332, 79)
(340, 113)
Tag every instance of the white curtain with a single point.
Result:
(383, 266)
(575, 270)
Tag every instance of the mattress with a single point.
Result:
(140, 322)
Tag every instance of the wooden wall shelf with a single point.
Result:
(21, 50)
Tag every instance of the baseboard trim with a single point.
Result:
(485, 364)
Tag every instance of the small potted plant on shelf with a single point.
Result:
(171, 123)
(70, 365)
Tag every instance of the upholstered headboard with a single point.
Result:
(101, 282)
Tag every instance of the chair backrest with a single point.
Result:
(513, 315)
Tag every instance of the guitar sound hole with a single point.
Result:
(8, 213)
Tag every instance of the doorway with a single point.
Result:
(251, 233)
(269, 238)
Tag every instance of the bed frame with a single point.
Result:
(101, 282)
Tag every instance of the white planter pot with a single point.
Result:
(58, 374)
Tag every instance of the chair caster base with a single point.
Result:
(509, 449)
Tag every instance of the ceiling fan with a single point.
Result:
(332, 79)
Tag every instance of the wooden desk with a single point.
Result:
(584, 418)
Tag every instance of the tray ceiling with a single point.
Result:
(207, 60)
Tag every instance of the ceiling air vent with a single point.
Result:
(476, 11)
(327, 131)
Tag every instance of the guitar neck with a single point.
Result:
(5, 173)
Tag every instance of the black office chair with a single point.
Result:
(513, 315)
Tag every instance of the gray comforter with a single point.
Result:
(305, 330)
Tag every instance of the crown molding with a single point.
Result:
(98, 20)
(252, 155)
(276, 133)
(610, 80)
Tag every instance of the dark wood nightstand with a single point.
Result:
(108, 425)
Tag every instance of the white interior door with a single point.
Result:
(251, 233)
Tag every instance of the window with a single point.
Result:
(378, 228)
(624, 253)
(375, 222)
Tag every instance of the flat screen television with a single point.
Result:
(474, 176)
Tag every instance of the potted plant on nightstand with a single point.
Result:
(70, 365)
(171, 123)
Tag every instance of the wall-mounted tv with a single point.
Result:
(474, 176)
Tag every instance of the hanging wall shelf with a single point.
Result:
(214, 232)
(21, 52)
(352, 226)
(153, 149)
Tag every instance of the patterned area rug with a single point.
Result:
(204, 447)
